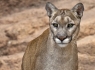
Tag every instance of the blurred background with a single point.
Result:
(23, 20)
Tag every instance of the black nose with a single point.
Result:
(61, 37)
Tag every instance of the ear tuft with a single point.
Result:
(50, 8)
(78, 9)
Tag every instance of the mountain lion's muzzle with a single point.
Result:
(62, 40)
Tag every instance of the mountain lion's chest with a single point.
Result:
(53, 60)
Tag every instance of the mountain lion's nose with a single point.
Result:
(61, 37)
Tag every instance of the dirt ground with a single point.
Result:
(23, 20)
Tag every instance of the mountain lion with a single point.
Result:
(56, 48)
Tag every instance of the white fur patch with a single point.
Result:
(62, 45)
(58, 18)
(67, 18)
(66, 40)
(57, 40)
(71, 29)
(54, 29)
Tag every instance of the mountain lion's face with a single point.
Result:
(64, 23)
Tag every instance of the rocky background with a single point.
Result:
(23, 20)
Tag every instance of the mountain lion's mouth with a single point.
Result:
(64, 42)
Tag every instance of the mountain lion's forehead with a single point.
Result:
(62, 20)
(62, 13)
(64, 16)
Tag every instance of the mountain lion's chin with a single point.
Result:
(62, 45)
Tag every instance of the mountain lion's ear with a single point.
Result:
(50, 8)
(78, 10)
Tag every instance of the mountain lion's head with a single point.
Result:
(64, 23)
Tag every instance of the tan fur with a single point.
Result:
(43, 53)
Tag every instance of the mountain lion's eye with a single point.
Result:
(55, 24)
(70, 25)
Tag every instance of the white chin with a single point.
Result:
(62, 45)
